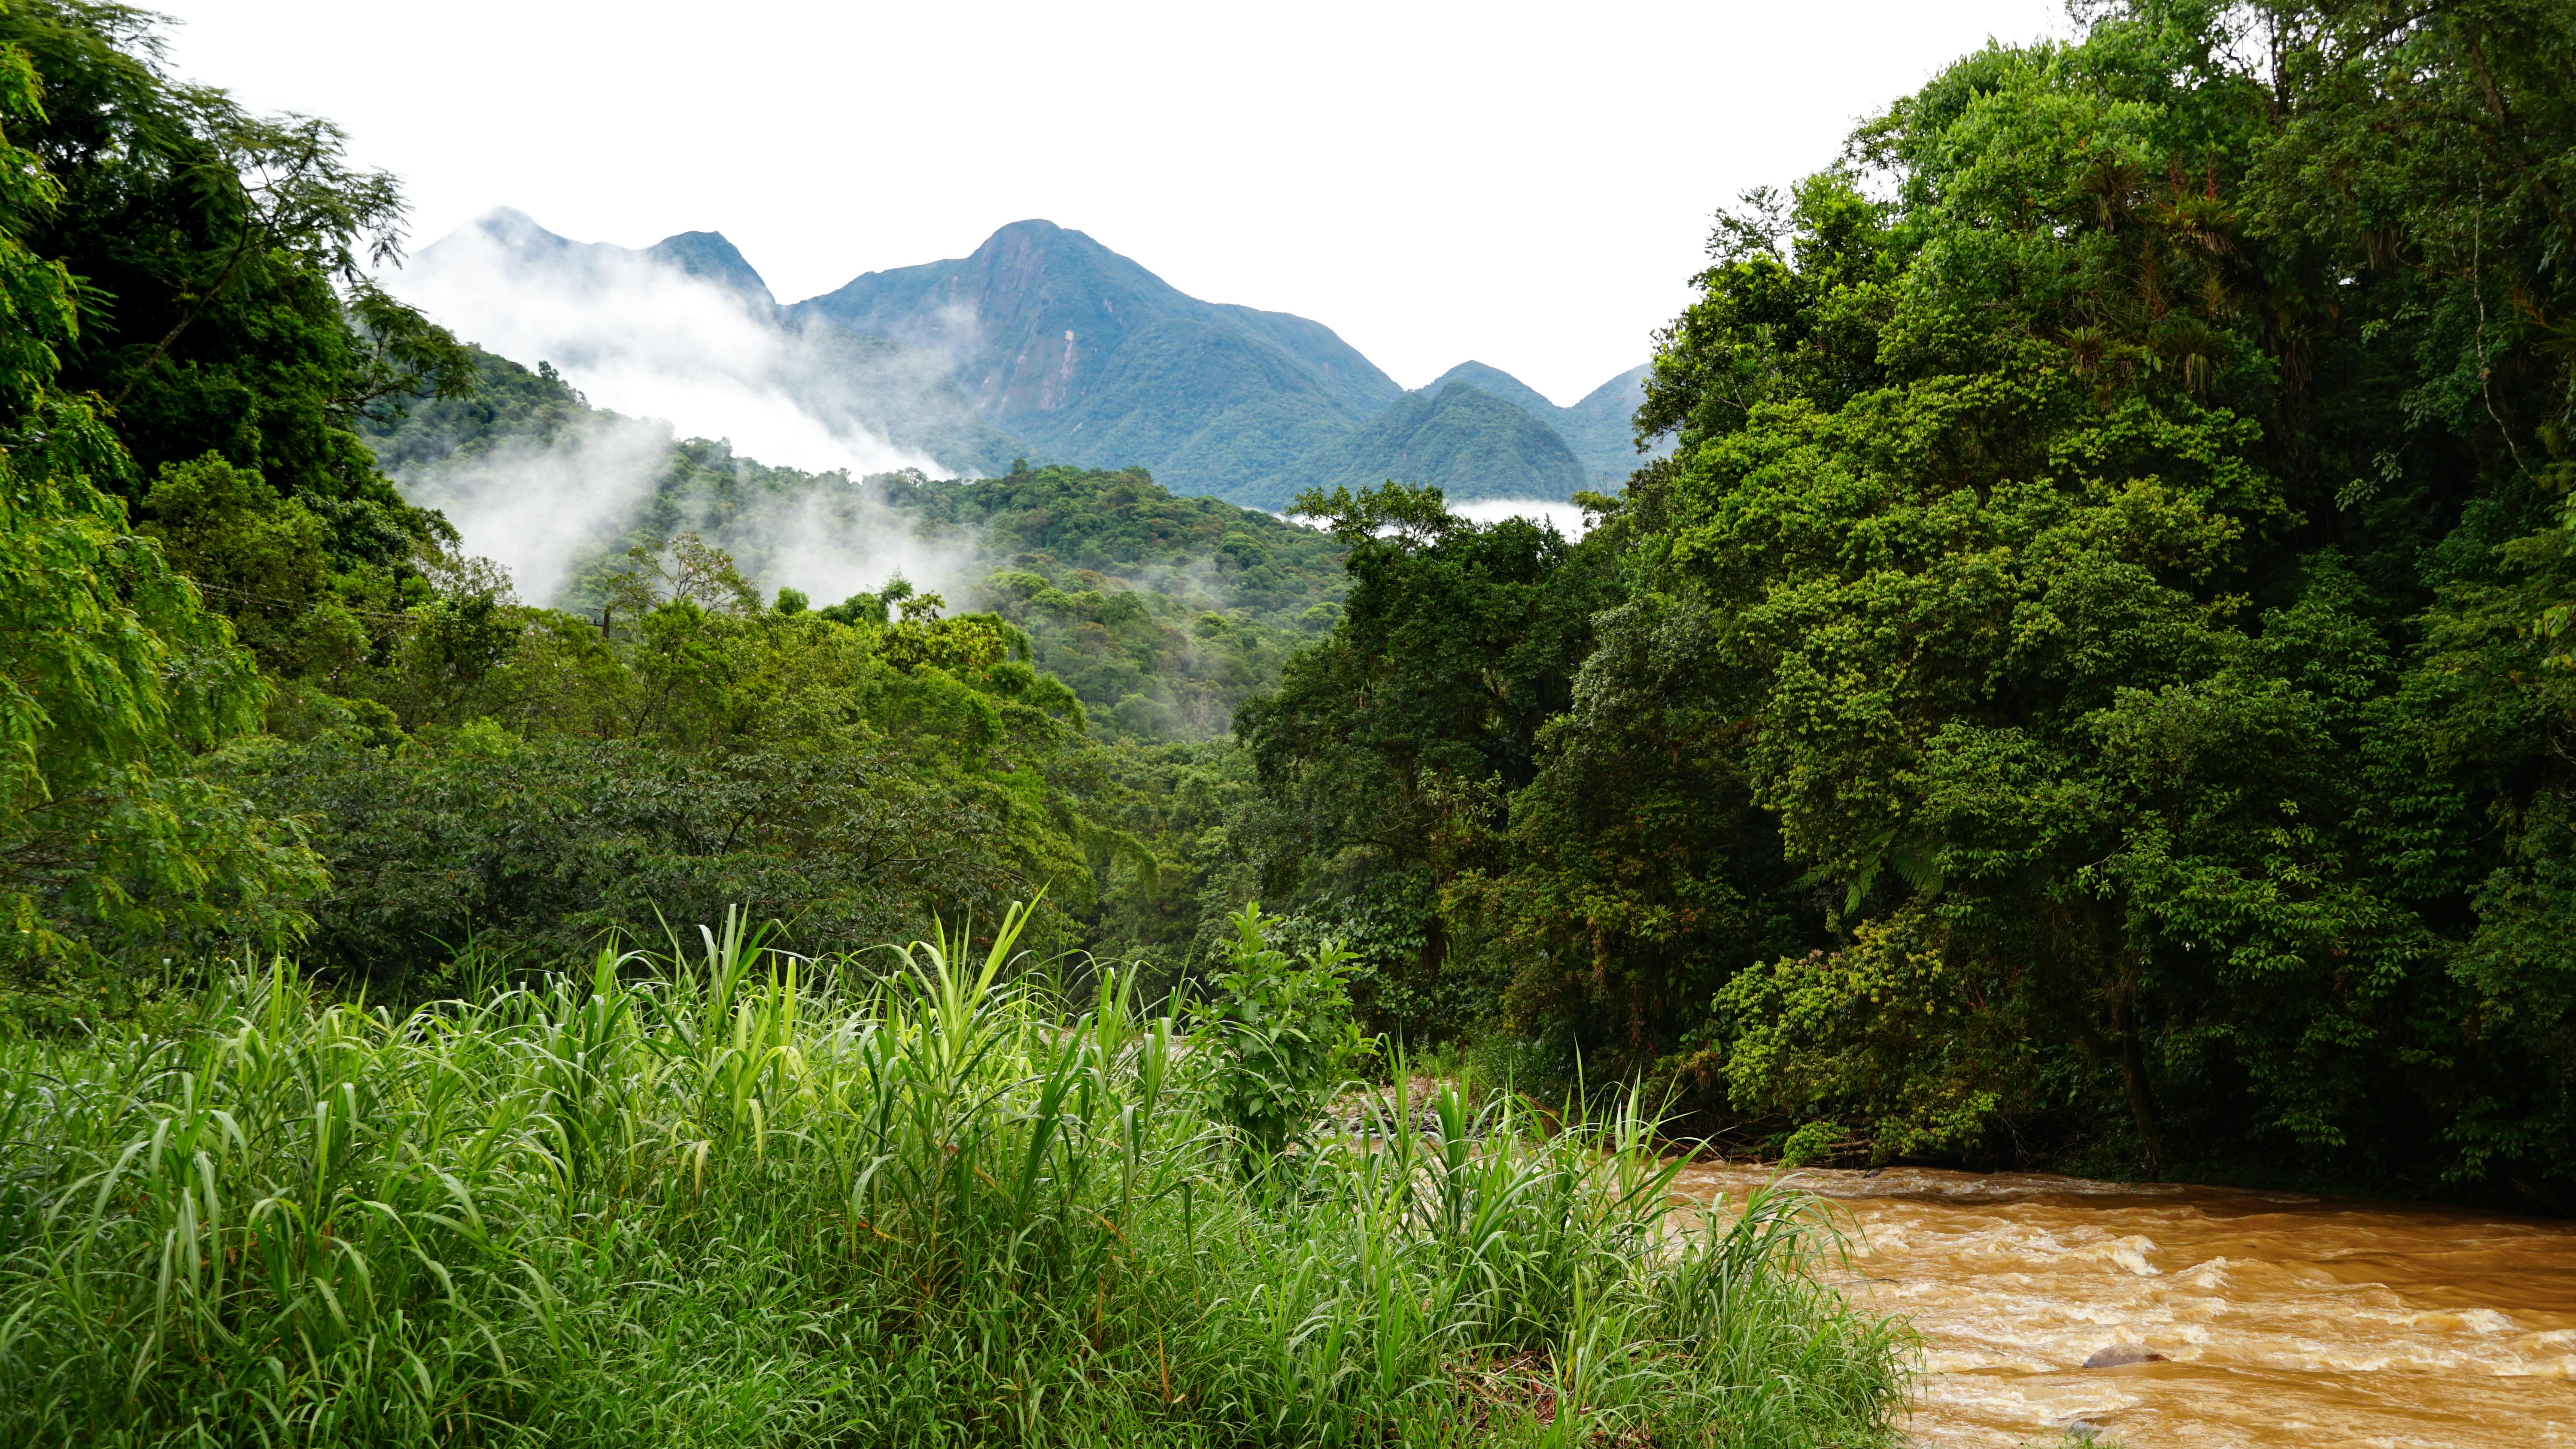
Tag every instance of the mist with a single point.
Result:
(842, 537)
(671, 355)
(641, 337)
(534, 507)
(1567, 518)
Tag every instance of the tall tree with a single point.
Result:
(113, 676)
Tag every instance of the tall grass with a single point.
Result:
(714, 1201)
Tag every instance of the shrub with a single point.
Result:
(1281, 1037)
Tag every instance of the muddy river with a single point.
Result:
(2279, 1319)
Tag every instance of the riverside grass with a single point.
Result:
(717, 1201)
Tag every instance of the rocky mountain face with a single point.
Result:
(1046, 344)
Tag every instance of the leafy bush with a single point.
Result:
(1281, 1034)
(536, 850)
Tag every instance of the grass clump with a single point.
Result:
(717, 1201)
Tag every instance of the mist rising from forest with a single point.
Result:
(841, 538)
(545, 509)
(534, 507)
(645, 339)
(672, 355)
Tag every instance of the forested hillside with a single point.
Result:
(1163, 613)
(1599, 430)
(2090, 685)
(259, 700)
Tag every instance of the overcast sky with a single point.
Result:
(1528, 186)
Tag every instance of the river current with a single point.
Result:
(2279, 1319)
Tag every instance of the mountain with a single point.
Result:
(1043, 343)
(708, 256)
(1597, 429)
(1097, 361)
(1602, 431)
(1455, 432)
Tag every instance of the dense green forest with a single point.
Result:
(2089, 687)
(340, 1107)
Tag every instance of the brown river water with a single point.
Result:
(2283, 1319)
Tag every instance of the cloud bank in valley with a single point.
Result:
(672, 355)
(641, 337)
(1568, 518)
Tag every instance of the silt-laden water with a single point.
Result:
(2282, 1319)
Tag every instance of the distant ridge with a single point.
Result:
(1458, 431)
(1047, 344)
(1597, 429)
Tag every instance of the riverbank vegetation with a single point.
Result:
(731, 1197)
(2090, 686)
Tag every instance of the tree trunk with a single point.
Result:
(2133, 1070)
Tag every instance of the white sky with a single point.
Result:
(1525, 185)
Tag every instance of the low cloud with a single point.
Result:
(843, 537)
(648, 342)
(642, 338)
(542, 508)
(1569, 519)
(535, 506)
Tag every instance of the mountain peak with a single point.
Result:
(1085, 353)
(1495, 382)
(707, 255)
(516, 230)
(1035, 228)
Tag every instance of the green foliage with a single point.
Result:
(1811, 1144)
(724, 1196)
(534, 851)
(2087, 686)
(38, 298)
(263, 559)
(1162, 613)
(504, 404)
(2089, 650)
(1984, 484)
(1393, 744)
(113, 676)
(225, 337)
(526, 779)
(1281, 1038)
(225, 302)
